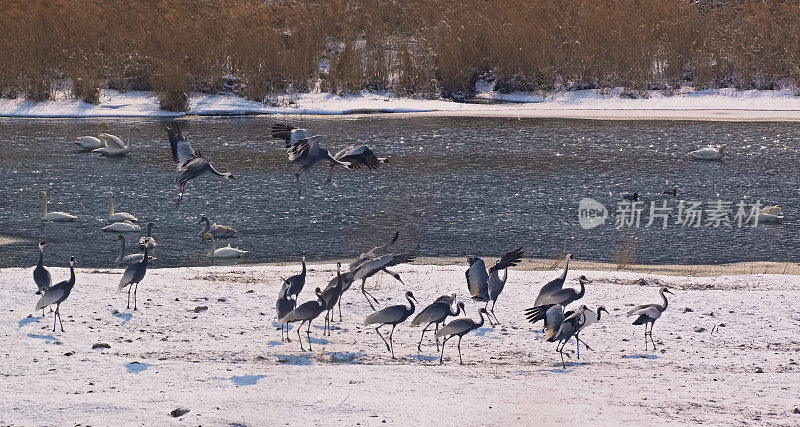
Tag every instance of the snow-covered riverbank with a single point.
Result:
(226, 364)
(718, 104)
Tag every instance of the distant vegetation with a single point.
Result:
(422, 47)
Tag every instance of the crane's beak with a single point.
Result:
(668, 291)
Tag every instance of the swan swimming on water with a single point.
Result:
(122, 227)
(117, 216)
(226, 252)
(709, 152)
(90, 143)
(770, 214)
(114, 146)
(216, 230)
(54, 216)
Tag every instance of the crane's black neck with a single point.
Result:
(410, 301)
(566, 268)
(71, 281)
(208, 225)
(456, 312)
(303, 273)
(582, 291)
(481, 322)
(121, 247)
(41, 258)
(664, 297)
(339, 281)
(150, 230)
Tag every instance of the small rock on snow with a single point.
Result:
(178, 412)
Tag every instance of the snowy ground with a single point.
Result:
(717, 104)
(227, 364)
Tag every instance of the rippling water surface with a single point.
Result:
(456, 186)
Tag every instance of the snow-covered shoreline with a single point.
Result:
(711, 104)
(226, 364)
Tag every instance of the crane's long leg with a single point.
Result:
(308, 334)
(391, 343)
(297, 177)
(645, 337)
(585, 345)
(460, 361)
(282, 340)
(129, 297)
(651, 335)
(436, 337)
(330, 175)
(134, 297)
(492, 312)
(441, 357)
(60, 322)
(485, 307)
(578, 346)
(325, 325)
(340, 308)
(366, 294)
(384, 339)
(54, 319)
(419, 346)
(180, 196)
(299, 337)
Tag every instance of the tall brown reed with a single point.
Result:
(411, 47)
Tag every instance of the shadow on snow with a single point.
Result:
(243, 380)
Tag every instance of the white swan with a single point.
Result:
(122, 227)
(114, 146)
(709, 152)
(770, 214)
(226, 252)
(90, 143)
(113, 140)
(54, 216)
(117, 216)
(216, 230)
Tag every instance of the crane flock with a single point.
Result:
(484, 285)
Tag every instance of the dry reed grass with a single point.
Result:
(432, 47)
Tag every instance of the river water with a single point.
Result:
(456, 186)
